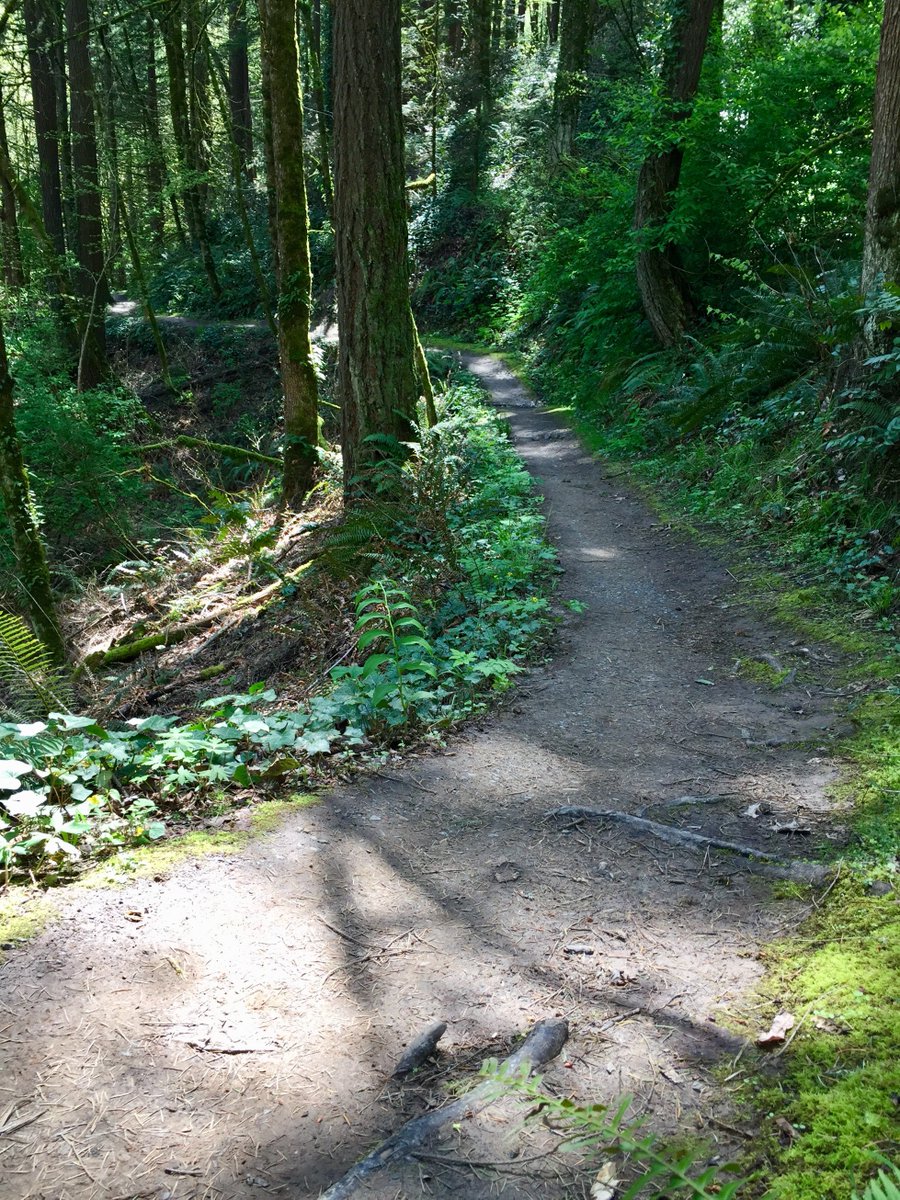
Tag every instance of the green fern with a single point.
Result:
(33, 682)
(885, 1186)
(361, 538)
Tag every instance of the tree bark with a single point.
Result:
(663, 288)
(10, 244)
(91, 279)
(553, 22)
(39, 32)
(377, 376)
(881, 245)
(317, 87)
(278, 21)
(186, 144)
(577, 25)
(154, 154)
(661, 283)
(239, 84)
(28, 546)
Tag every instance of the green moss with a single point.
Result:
(761, 672)
(841, 1077)
(144, 862)
(24, 913)
(874, 786)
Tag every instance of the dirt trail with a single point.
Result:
(227, 1031)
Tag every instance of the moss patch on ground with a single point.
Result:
(839, 1084)
(23, 915)
(25, 912)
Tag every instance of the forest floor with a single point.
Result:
(228, 1029)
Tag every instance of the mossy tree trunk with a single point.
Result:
(577, 24)
(34, 576)
(278, 22)
(662, 283)
(91, 277)
(377, 373)
(881, 247)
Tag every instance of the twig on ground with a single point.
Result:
(543, 1043)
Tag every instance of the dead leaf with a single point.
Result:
(777, 1030)
(786, 1132)
(604, 1186)
(752, 811)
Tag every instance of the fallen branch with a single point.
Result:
(246, 605)
(418, 1051)
(685, 837)
(214, 447)
(544, 1042)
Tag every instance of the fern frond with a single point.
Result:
(885, 1186)
(35, 685)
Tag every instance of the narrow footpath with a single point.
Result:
(228, 1030)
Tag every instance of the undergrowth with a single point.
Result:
(459, 576)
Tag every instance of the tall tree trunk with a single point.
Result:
(238, 177)
(199, 122)
(578, 23)
(469, 143)
(170, 27)
(239, 84)
(28, 546)
(154, 155)
(312, 33)
(39, 32)
(377, 376)
(553, 22)
(91, 279)
(107, 109)
(881, 246)
(10, 245)
(663, 288)
(269, 151)
(278, 22)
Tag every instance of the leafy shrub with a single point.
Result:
(458, 594)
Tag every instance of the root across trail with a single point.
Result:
(231, 1027)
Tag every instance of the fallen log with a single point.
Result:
(246, 606)
(419, 1050)
(543, 1043)
(811, 872)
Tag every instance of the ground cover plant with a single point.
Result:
(458, 595)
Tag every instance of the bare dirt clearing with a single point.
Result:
(229, 1030)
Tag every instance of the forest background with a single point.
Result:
(682, 218)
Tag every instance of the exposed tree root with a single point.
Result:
(544, 1042)
(810, 872)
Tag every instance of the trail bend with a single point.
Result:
(228, 1030)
